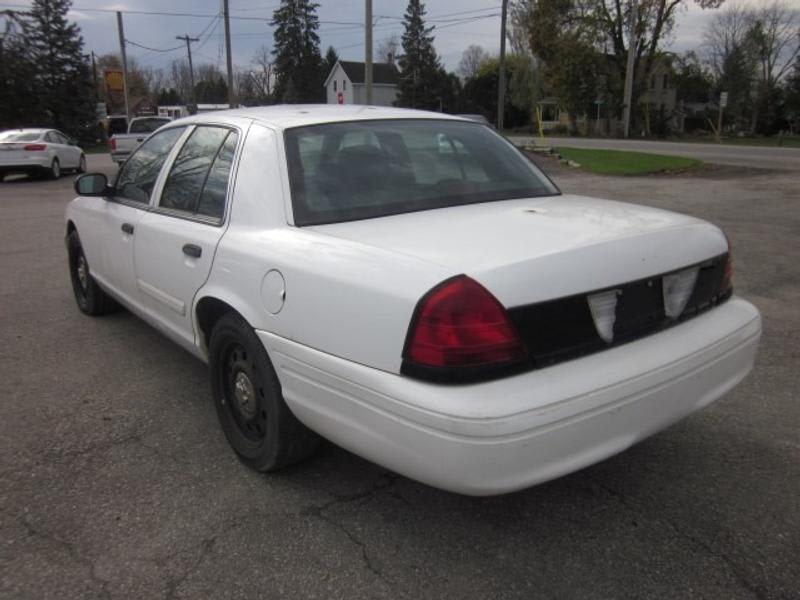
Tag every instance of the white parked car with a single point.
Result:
(439, 309)
(44, 152)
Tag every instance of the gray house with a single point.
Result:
(345, 83)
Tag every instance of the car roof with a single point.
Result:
(284, 116)
(26, 130)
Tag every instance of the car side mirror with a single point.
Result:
(92, 184)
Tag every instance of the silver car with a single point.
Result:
(43, 152)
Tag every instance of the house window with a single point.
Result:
(344, 84)
(334, 85)
(665, 81)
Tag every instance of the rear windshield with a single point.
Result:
(147, 125)
(364, 169)
(10, 136)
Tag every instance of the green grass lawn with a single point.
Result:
(617, 162)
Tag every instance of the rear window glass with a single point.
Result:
(147, 125)
(364, 169)
(10, 136)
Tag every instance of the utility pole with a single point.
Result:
(501, 81)
(94, 78)
(189, 41)
(226, 16)
(633, 41)
(368, 49)
(124, 63)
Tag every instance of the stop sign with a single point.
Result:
(340, 98)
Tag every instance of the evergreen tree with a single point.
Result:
(298, 61)
(420, 78)
(62, 79)
(737, 79)
(18, 96)
(331, 57)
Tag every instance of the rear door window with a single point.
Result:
(198, 181)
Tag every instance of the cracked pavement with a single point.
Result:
(116, 482)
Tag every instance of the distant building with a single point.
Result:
(345, 83)
(658, 101)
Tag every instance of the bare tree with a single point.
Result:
(263, 73)
(725, 34)
(179, 78)
(774, 40)
(387, 49)
(471, 60)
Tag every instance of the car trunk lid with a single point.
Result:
(533, 250)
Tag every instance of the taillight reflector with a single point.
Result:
(727, 277)
(35, 147)
(112, 144)
(460, 324)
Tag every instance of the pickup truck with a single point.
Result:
(122, 144)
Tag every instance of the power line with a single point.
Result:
(143, 47)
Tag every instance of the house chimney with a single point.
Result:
(390, 58)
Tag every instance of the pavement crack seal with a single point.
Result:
(389, 480)
(206, 546)
(704, 545)
(73, 553)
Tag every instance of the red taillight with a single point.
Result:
(727, 277)
(35, 147)
(460, 324)
(112, 144)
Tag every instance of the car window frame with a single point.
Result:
(158, 189)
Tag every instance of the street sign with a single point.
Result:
(723, 99)
(114, 82)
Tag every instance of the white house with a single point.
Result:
(345, 83)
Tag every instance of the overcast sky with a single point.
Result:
(459, 23)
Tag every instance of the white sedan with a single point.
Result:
(44, 152)
(409, 286)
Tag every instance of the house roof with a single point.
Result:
(381, 72)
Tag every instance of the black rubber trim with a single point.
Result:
(563, 329)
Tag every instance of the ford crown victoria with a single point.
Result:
(409, 286)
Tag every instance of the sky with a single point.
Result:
(459, 23)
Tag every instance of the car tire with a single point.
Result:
(55, 169)
(81, 165)
(249, 402)
(89, 296)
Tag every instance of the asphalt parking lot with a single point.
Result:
(116, 482)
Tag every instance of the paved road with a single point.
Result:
(116, 482)
(760, 157)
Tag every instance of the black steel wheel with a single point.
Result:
(89, 296)
(250, 406)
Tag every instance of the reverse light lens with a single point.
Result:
(460, 324)
(35, 147)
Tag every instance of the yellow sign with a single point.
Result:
(113, 79)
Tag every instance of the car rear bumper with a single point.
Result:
(504, 435)
(24, 165)
(120, 157)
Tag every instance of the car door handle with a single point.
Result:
(127, 228)
(192, 250)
